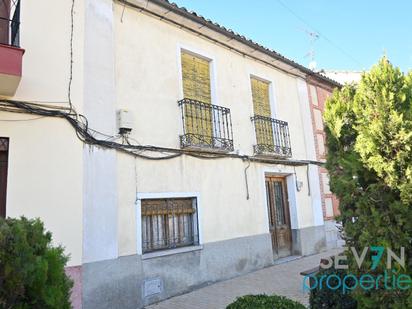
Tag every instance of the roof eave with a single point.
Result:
(194, 17)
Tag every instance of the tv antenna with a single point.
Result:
(313, 37)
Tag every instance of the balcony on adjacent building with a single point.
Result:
(11, 55)
(272, 137)
(206, 126)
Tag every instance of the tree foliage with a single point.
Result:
(369, 139)
(31, 269)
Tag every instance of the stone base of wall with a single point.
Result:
(309, 240)
(333, 237)
(127, 282)
(134, 282)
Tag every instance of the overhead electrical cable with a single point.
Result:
(327, 39)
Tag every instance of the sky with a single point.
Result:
(353, 34)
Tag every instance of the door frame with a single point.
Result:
(286, 209)
(289, 174)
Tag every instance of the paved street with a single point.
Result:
(282, 279)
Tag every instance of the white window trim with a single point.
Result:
(161, 253)
(151, 195)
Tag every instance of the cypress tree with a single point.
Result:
(369, 139)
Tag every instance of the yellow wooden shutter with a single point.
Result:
(196, 78)
(261, 107)
(196, 86)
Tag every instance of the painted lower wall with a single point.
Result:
(120, 283)
(134, 281)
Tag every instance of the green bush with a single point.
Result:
(331, 299)
(31, 269)
(264, 302)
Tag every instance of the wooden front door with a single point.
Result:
(279, 218)
(4, 147)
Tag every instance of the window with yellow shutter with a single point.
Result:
(196, 87)
(261, 107)
(196, 78)
(204, 125)
(272, 135)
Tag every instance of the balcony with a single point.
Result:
(272, 137)
(205, 126)
(11, 55)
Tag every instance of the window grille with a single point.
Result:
(169, 223)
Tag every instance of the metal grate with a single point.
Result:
(272, 136)
(206, 125)
(169, 223)
(10, 23)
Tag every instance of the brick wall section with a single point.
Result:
(75, 273)
(317, 96)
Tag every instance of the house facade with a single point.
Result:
(162, 150)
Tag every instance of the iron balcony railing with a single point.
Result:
(10, 23)
(272, 137)
(206, 126)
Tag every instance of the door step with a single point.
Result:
(287, 259)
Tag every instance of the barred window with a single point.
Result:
(169, 223)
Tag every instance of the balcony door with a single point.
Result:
(279, 217)
(196, 86)
(4, 156)
(261, 107)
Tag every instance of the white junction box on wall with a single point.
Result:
(125, 121)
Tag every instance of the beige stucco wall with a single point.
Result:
(148, 83)
(45, 158)
(47, 175)
(224, 211)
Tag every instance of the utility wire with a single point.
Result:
(71, 57)
(320, 34)
(85, 134)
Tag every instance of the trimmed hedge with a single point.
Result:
(264, 302)
(31, 270)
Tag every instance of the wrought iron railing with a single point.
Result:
(10, 23)
(206, 126)
(272, 136)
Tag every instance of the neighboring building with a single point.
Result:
(224, 178)
(318, 93)
(343, 77)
